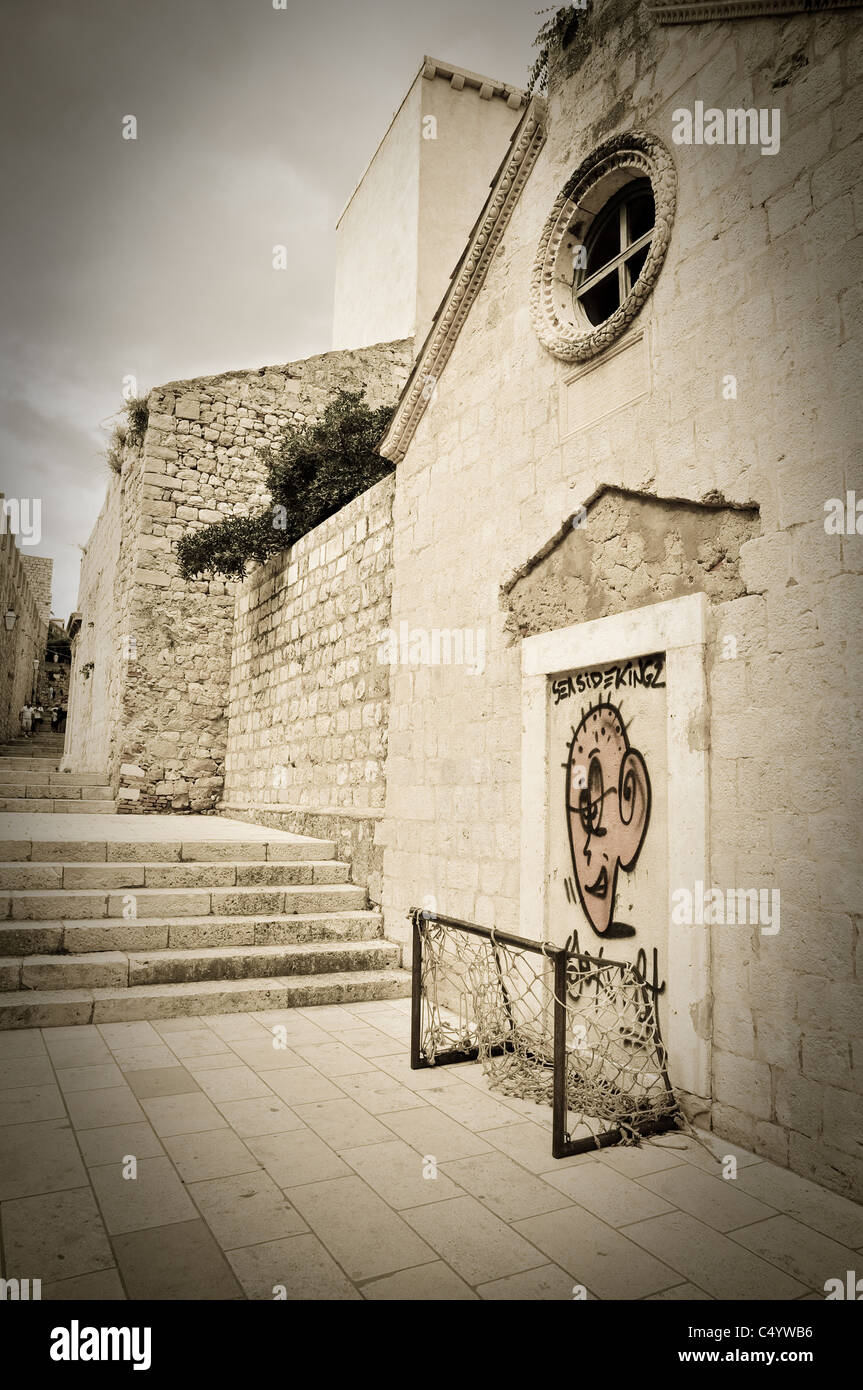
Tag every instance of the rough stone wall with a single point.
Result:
(39, 570)
(761, 282)
(26, 640)
(198, 463)
(309, 699)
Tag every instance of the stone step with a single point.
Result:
(44, 739)
(10, 762)
(45, 807)
(62, 1008)
(45, 777)
(54, 904)
(112, 851)
(54, 789)
(23, 875)
(37, 752)
(122, 970)
(42, 735)
(185, 933)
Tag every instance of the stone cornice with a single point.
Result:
(467, 279)
(459, 78)
(705, 11)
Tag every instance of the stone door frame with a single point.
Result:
(678, 628)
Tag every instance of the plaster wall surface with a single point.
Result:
(406, 224)
(377, 239)
(471, 136)
(97, 648)
(498, 464)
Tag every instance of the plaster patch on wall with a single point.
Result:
(629, 550)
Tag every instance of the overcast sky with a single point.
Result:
(153, 257)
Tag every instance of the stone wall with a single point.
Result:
(168, 639)
(25, 641)
(40, 571)
(95, 682)
(309, 698)
(760, 284)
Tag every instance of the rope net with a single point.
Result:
(480, 993)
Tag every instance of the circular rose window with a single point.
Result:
(602, 246)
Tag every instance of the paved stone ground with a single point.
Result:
(303, 1167)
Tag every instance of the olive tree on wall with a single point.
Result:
(316, 470)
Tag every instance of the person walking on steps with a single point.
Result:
(26, 718)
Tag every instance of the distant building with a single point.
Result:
(25, 607)
(56, 665)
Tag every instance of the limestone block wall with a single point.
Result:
(39, 570)
(750, 290)
(25, 641)
(170, 639)
(309, 698)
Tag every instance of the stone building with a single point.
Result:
(53, 686)
(25, 606)
(405, 224)
(642, 466)
(581, 666)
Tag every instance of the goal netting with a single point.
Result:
(548, 1024)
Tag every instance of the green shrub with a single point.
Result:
(115, 447)
(137, 414)
(315, 471)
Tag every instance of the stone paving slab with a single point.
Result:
(191, 1158)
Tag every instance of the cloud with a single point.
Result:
(154, 257)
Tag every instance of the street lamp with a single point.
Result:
(10, 617)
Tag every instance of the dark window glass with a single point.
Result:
(635, 265)
(640, 210)
(600, 303)
(603, 243)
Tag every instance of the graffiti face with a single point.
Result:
(608, 809)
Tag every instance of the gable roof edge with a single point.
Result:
(467, 279)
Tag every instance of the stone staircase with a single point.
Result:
(97, 931)
(30, 780)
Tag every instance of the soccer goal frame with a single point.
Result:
(562, 973)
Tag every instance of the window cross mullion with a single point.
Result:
(614, 263)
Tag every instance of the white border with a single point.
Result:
(677, 627)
